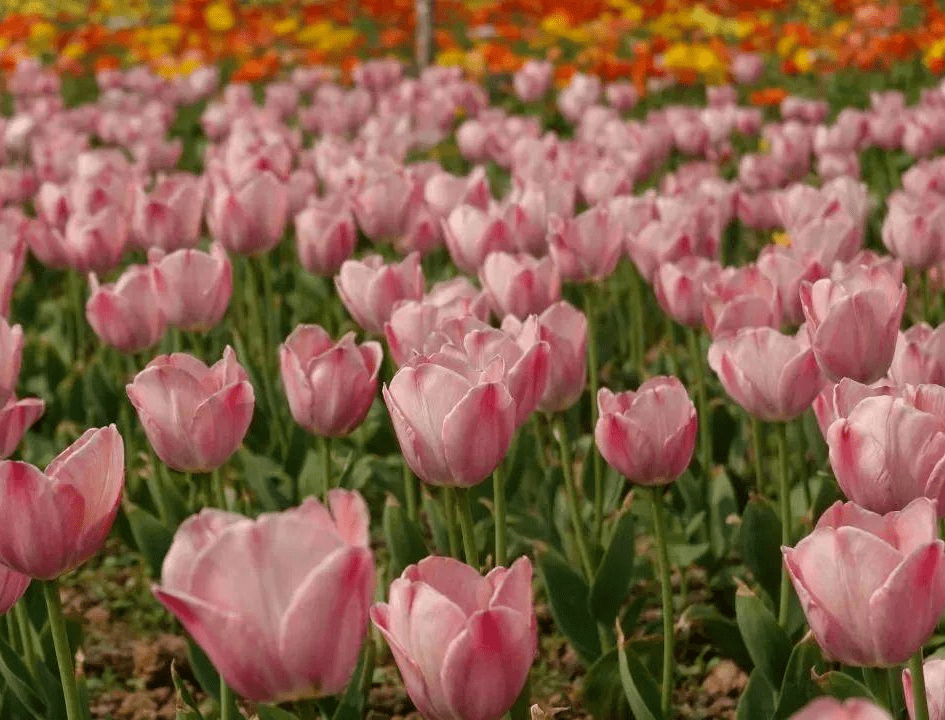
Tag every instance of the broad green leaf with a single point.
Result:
(152, 538)
(612, 581)
(758, 699)
(403, 537)
(767, 643)
(638, 685)
(761, 544)
(568, 597)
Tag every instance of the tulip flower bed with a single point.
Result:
(421, 394)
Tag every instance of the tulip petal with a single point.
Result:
(486, 665)
(477, 433)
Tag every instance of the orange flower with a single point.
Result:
(767, 96)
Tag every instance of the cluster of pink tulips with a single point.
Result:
(506, 309)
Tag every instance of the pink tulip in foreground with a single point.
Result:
(828, 708)
(887, 452)
(933, 671)
(520, 284)
(330, 386)
(280, 603)
(51, 522)
(463, 643)
(195, 416)
(774, 377)
(11, 357)
(647, 436)
(872, 586)
(453, 421)
(325, 235)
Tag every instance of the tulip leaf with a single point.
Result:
(151, 536)
(271, 712)
(612, 581)
(842, 686)
(722, 632)
(51, 687)
(602, 690)
(403, 538)
(184, 695)
(767, 643)
(568, 597)
(207, 675)
(722, 505)
(638, 685)
(17, 678)
(798, 688)
(264, 476)
(761, 544)
(351, 701)
(758, 699)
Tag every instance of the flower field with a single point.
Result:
(593, 369)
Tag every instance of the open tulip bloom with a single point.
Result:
(280, 603)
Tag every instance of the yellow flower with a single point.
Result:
(74, 50)
(804, 60)
(781, 238)
(219, 17)
(287, 26)
(42, 36)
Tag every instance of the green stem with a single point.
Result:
(370, 658)
(498, 502)
(636, 304)
(154, 488)
(920, 700)
(74, 282)
(672, 364)
(216, 487)
(226, 701)
(877, 680)
(560, 432)
(927, 302)
(466, 523)
(784, 499)
(324, 450)
(449, 514)
(57, 627)
(697, 359)
(659, 527)
(26, 635)
(410, 491)
(593, 386)
(756, 451)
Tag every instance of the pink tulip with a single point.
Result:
(622, 96)
(648, 436)
(738, 298)
(564, 328)
(280, 603)
(380, 206)
(371, 290)
(51, 522)
(196, 286)
(471, 234)
(680, 288)
(853, 323)
(933, 672)
(586, 247)
(520, 285)
(919, 356)
(463, 643)
(453, 421)
(786, 271)
(11, 357)
(12, 587)
(16, 416)
(195, 416)
(828, 708)
(774, 377)
(127, 314)
(887, 452)
(532, 81)
(747, 68)
(325, 236)
(468, 344)
(872, 586)
(330, 386)
(443, 192)
(837, 401)
(249, 219)
(95, 242)
(914, 229)
(169, 217)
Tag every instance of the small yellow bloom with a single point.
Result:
(781, 238)
(804, 60)
(287, 26)
(42, 36)
(219, 17)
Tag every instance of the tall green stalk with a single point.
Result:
(410, 490)
(920, 700)
(784, 500)
(666, 587)
(226, 701)
(593, 386)
(57, 627)
(324, 451)
(466, 523)
(26, 635)
(449, 516)
(756, 451)
(560, 431)
(498, 508)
